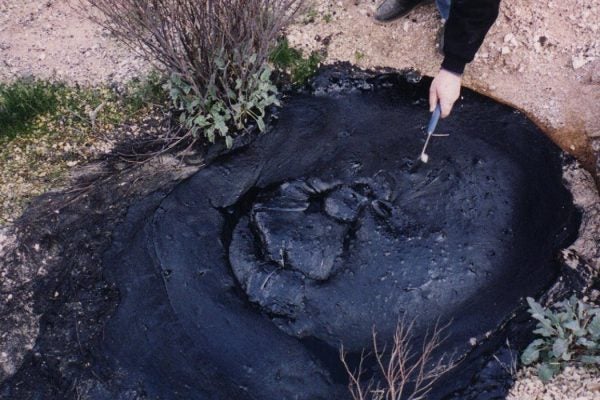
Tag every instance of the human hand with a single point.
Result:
(444, 89)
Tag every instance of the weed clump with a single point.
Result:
(291, 61)
(23, 100)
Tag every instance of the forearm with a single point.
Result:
(467, 25)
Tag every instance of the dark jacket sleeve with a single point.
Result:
(468, 23)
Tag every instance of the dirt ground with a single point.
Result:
(542, 59)
(53, 39)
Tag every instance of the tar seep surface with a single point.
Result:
(243, 282)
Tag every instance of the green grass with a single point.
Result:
(22, 101)
(37, 106)
(293, 62)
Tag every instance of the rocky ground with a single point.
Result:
(53, 39)
(572, 384)
(544, 60)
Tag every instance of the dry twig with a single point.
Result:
(405, 373)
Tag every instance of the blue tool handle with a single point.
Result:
(435, 117)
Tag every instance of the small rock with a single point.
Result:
(578, 61)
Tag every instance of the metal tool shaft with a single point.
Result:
(433, 121)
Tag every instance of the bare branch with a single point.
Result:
(406, 375)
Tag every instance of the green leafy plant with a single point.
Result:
(570, 332)
(214, 115)
(292, 61)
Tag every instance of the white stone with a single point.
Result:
(578, 61)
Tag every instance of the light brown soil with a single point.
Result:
(53, 39)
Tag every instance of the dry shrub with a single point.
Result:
(406, 373)
(215, 52)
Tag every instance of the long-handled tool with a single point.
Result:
(433, 121)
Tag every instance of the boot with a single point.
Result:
(391, 9)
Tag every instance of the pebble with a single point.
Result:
(508, 38)
(578, 61)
